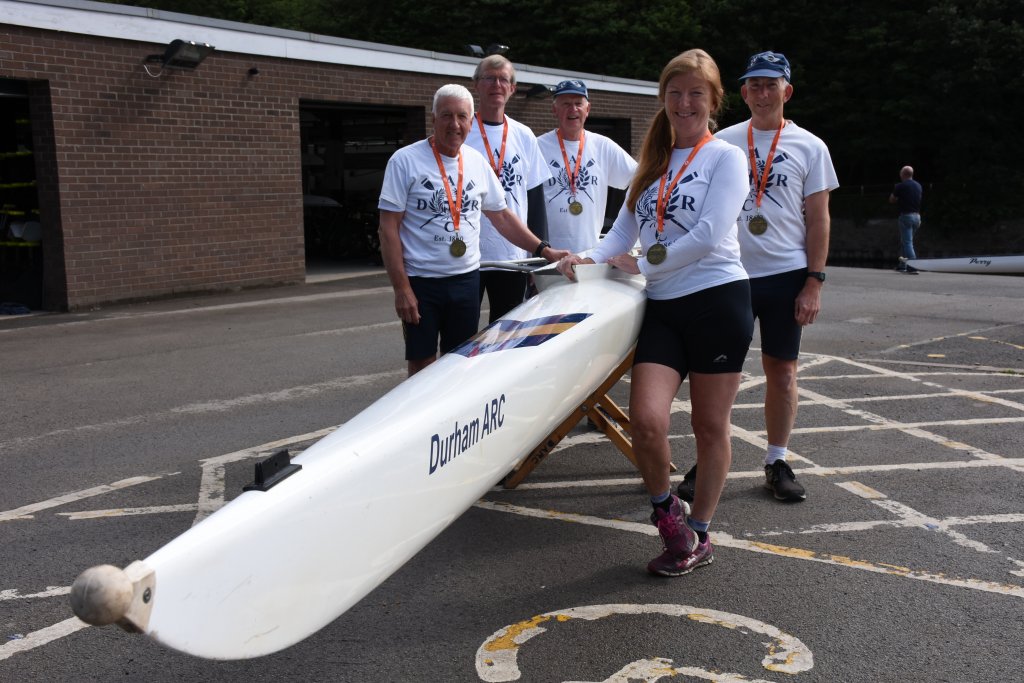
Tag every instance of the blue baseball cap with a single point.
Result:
(767, 64)
(571, 87)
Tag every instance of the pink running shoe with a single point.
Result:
(683, 550)
(668, 564)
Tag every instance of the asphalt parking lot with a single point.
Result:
(125, 426)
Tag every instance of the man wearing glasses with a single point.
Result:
(511, 149)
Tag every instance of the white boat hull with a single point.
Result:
(1004, 265)
(270, 568)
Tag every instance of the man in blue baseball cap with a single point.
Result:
(583, 166)
(783, 234)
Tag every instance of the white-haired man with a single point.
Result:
(433, 199)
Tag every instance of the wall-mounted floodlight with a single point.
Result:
(492, 49)
(180, 54)
(538, 91)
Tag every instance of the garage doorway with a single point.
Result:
(21, 251)
(345, 149)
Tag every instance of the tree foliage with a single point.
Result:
(933, 83)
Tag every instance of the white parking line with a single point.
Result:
(27, 511)
(41, 637)
(303, 391)
(916, 519)
(129, 512)
(50, 592)
(283, 301)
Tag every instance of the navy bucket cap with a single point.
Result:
(767, 64)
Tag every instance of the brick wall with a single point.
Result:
(190, 181)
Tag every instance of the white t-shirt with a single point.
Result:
(522, 168)
(801, 167)
(604, 165)
(699, 226)
(413, 185)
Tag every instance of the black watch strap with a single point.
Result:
(817, 275)
(544, 244)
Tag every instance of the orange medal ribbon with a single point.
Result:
(662, 194)
(575, 172)
(761, 184)
(454, 205)
(501, 154)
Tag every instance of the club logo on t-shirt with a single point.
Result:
(509, 178)
(436, 204)
(678, 202)
(776, 180)
(583, 181)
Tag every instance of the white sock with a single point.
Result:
(774, 453)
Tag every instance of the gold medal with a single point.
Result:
(657, 253)
(575, 208)
(457, 248)
(758, 225)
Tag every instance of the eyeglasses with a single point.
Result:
(491, 80)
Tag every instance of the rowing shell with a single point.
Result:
(273, 567)
(972, 264)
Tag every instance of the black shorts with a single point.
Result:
(505, 290)
(707, 332)
(774, 304)
(449, 307)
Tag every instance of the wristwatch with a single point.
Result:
(544, 244)
(817, 275)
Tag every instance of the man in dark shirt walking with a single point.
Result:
(907, 196)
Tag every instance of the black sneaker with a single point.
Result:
(688, 486)
(780, 480)
(911, 270)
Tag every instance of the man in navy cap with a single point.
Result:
(783, 234)
(583, 166)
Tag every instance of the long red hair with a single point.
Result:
(660, 138)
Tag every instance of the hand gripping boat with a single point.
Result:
(274, 566)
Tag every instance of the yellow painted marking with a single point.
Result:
(727, 541)
(936, 355)
(862, 490)
(998, 341)
(517, 633)
(785, 653)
